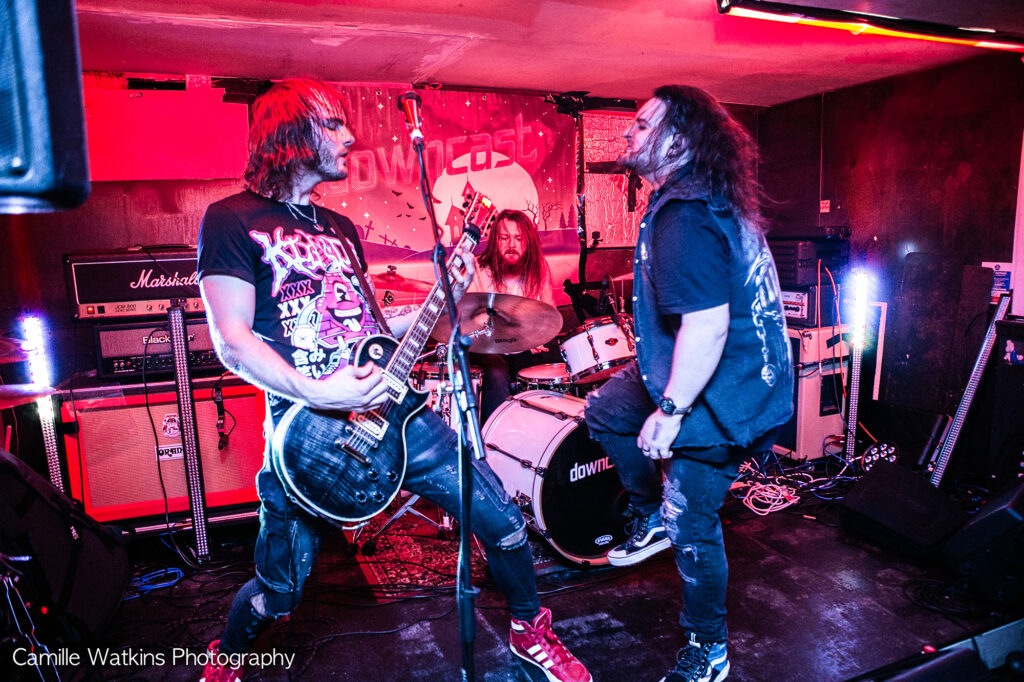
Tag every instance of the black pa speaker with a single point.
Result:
(989, 550)
(77, 569)
(899, 509)
(43, 155)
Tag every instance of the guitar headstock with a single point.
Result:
(479, 211)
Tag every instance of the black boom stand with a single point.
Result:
(471, 440)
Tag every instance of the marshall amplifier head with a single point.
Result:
(131, 283)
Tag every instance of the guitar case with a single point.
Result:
(78, 568)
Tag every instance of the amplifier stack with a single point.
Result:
(127, 293)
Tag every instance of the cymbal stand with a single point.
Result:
(369, 546)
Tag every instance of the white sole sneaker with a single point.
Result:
(639, 555)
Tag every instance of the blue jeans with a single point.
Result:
(690, 489)
(289, 538)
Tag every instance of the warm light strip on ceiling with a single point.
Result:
(864, 28)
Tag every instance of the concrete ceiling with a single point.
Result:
(607, 48)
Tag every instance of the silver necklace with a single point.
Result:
(299, 215)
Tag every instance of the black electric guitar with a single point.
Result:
(347, 467)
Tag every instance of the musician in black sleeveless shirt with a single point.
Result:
(286, 311)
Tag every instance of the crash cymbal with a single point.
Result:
(503, 323)
(392, 281)
(10, 351)
(12, 395)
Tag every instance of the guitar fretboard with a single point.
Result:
(404, 359)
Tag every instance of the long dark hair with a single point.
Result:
(724, 155)
(531, 266)
(283, 135)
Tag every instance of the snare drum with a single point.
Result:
(597, 350)
(567, 487)
(552, 377)
(426, 376)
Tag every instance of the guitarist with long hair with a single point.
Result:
(288, 313)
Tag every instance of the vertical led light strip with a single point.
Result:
(953, 434)
(39, 374)
(857, 334)
(189, 429)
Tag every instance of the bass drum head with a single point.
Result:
(582, 501)
(539, 446)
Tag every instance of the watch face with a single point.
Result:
(667, 406)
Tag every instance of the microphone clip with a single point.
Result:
(409, 104)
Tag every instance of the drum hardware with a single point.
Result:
(570, 494)
(503, 323)
(525, 463)
(432, 376)
(393, 281)
(14, 395)
(561, 415)
(20, 628)
(12, 350)
(369, 547)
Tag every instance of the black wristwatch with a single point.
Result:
(667, 406)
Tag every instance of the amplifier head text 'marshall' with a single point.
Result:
(132, 283)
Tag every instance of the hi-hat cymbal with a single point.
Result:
(503, 323)
(11, 351)
(13, 395)
(392, 281)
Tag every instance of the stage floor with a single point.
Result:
(808, 601)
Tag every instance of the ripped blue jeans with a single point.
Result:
(690, 490)
(289, 538)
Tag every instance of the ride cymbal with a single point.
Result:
(503, 323)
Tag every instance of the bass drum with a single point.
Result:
(539, 446)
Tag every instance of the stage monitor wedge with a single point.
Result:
(43, 157)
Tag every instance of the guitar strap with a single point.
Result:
(357, 266)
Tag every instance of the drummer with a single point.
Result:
(512, 263)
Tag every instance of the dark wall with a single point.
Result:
(924, 164)
(118, 215)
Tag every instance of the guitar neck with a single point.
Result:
(404, 359)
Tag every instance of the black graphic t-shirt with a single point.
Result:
(309, 306)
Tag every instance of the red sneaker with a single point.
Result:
(217, 670)
(538, 644)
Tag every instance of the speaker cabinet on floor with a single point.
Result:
(901, 510)
(989, 550)
(124, 451)
(820, 357)
(76, 569)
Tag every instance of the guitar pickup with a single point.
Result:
(371, 423)
(396, 389)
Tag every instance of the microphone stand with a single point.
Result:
(466, 594)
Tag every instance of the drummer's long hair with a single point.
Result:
(284, 134)
(532, 267)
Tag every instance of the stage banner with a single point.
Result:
(516, 149)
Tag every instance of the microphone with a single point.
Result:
(409, 104)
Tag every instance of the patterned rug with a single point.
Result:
(414, 553)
